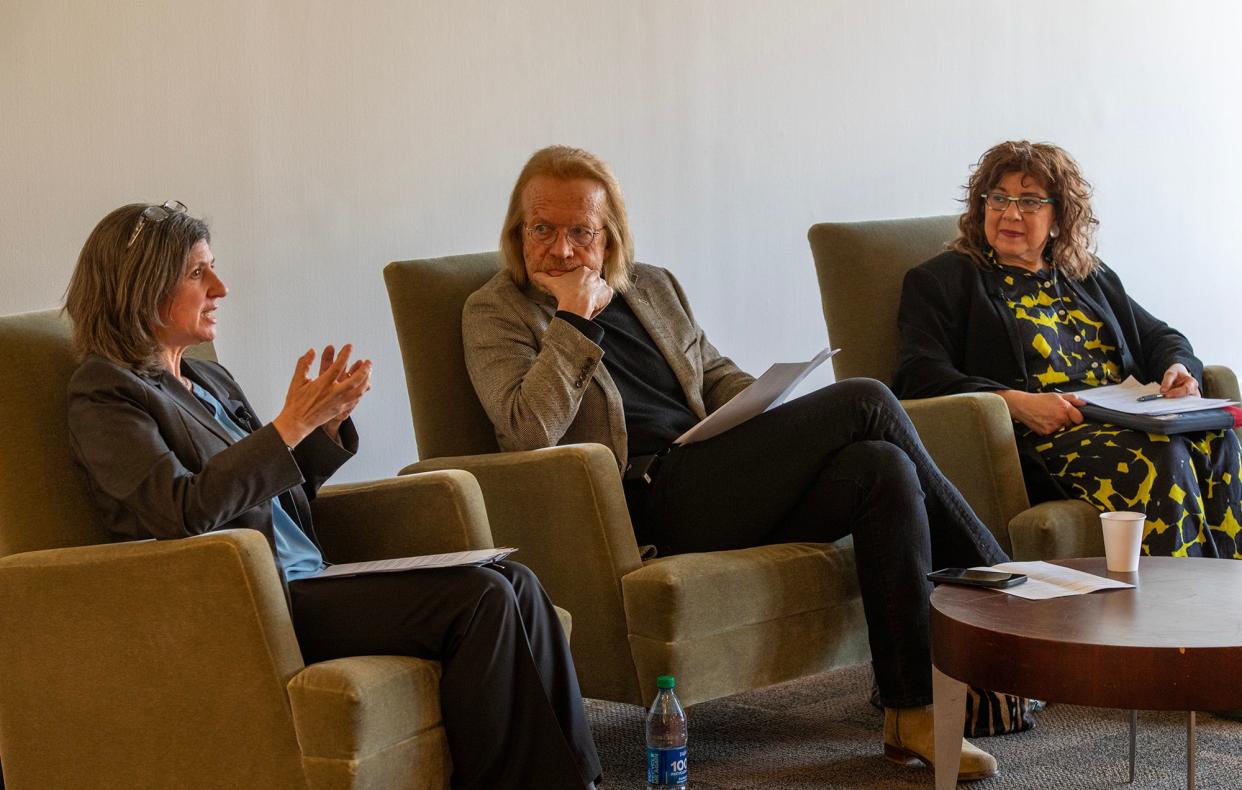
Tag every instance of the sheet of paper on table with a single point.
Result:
(1045, 580)
(766, 392)
(451, 560)
(1124, 397)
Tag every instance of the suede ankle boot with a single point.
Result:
(909, 739)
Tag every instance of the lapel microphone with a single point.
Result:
(243, 418)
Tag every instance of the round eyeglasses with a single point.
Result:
(1027, 204)
(155, 214)
(578, 235)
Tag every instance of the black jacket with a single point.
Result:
(957, 335)
(160, 466)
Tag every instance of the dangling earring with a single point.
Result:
(988, 252)
(1047, 247)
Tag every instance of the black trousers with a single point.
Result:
(842, 460)
(510, 700)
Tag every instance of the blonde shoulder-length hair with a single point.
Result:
(563, 162)
(1072, 251)
(117, 289)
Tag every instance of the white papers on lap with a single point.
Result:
(766, 392)
(1125, 396)
(450, 560)
(1045, 580)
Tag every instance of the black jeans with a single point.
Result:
(509, 695)
(842, 460)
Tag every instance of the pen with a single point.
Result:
(1152, 396)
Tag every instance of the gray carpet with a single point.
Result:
(821, 732)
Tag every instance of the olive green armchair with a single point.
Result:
(721, 622)
(860, 267)
(174, 663)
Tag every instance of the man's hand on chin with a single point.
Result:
(579, 290)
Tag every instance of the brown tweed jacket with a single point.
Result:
(541, 382)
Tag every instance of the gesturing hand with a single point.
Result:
(326, 400)
(1178, 383)
(1043, 412)
(333, 426)
(581, 291)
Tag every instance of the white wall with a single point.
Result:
(324, 139)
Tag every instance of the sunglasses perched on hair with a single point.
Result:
(1027, 204)
(155, 214)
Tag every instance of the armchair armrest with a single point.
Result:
(1220, 382)
(564, 508)
(401, 517)
(109, 649)
(971, 438)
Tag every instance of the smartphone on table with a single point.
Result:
(976, 578)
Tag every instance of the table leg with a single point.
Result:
(1190, 750)
(949, 715)
(1133, 742)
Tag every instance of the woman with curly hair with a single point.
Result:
(1020, 305)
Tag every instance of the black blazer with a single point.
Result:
(957, 335)
(160, 466)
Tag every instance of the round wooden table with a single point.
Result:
(1160, 646)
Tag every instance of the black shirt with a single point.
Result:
(656, 412)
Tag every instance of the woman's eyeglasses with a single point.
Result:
(1027, 204)
(155, 214)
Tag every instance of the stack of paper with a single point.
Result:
(1124, 397)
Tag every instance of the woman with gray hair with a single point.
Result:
(172, 448)
(1021, 306)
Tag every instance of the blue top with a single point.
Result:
(296, 554)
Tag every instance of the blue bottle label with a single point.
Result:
(666, 766)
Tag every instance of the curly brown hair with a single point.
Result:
(1072, 251)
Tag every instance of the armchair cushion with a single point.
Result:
(376, 717)
(165, 642)
(427, 297)
(579, 542)
(373, 722)
(43, 492)
(786, 602)
(401, 517)
(679, 597)
(1221, 382)
(1052, 530)
(971, 437)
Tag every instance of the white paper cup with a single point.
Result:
(1123, 540)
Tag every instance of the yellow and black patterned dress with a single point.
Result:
(1187, 484)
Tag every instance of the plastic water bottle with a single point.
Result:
(666, 739)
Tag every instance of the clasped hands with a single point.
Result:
(1048, 412)
(325, 401)
(580, 290)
